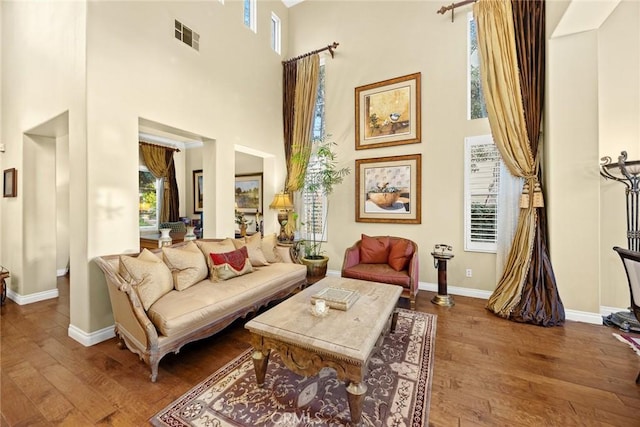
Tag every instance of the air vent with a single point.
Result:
(187, 35)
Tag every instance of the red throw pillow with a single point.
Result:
(230, 264)
(374, 250)
(398, 254)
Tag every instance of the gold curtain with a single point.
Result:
(306, 90)
(156, 159)
(501, 87)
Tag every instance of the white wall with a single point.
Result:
(593, 105)
(43, 75)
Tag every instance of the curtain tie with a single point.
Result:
(527, 199)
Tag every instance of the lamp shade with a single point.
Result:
(281, 201)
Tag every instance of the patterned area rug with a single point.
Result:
(398, 388)
(633, 342)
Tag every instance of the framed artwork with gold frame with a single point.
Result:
(388, 189)
(388, 112)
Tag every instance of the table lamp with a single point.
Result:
(282, 203)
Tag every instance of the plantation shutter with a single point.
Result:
(314, 203)
(482, 183)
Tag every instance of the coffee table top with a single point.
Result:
(350, 334)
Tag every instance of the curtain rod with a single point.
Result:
(177, 150)
(330, 48)
(452, 6)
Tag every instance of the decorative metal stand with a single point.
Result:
(441, 254)
(628, 174)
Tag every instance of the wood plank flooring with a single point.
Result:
(487, 371)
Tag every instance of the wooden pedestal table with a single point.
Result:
(342, 340)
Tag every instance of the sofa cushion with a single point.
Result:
(187, 265)
(178, 312)
(270, 248)
(231, 264)
(374, 250)
(254, 248)
(148, 275)
(382, 273)
(208, 248)
(399, 254)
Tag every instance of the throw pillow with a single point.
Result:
(207, 248)
(231, 264)
(398, 258)
(269, 248)
(187, 264)
(254, 248)
(374, 250)
(147, 275)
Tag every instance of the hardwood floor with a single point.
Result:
(487, 371)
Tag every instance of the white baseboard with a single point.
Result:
(575, 315)
(62, 272)
(91, 338)
(31, 298)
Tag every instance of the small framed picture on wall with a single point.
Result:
(10, 188)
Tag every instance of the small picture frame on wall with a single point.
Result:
(198, 194)
(10, 188)
(388, 112)
(248, 193)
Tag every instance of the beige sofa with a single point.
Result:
(157, 312)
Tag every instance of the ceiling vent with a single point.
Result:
(187, 35)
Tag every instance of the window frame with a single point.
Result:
(250, 7)
(159, 184)
(471, 245)
(470, 18)
(317, 133)
(276, 33)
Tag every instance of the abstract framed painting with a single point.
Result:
(198, 194)
(388, 112)
(388, 189)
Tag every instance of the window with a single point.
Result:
(482, 183)
(476, 106)
(276, 32)
(186, 35)
(315, 202)
(150, 198)
(249, 14)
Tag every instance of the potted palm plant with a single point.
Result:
(320, 180)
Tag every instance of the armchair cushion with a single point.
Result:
(378, 273)
(374, 250)
(399, 254)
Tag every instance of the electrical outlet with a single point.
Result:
(469, 272)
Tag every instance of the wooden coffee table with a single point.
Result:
(342, 340)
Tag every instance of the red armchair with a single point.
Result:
(399, 266)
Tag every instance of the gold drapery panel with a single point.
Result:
(501, 87)
(159, 161)
(304, 101)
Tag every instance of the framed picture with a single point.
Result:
(197, 191)
(388, 189)
(10, 188)
(388, 112)
(248, 191)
